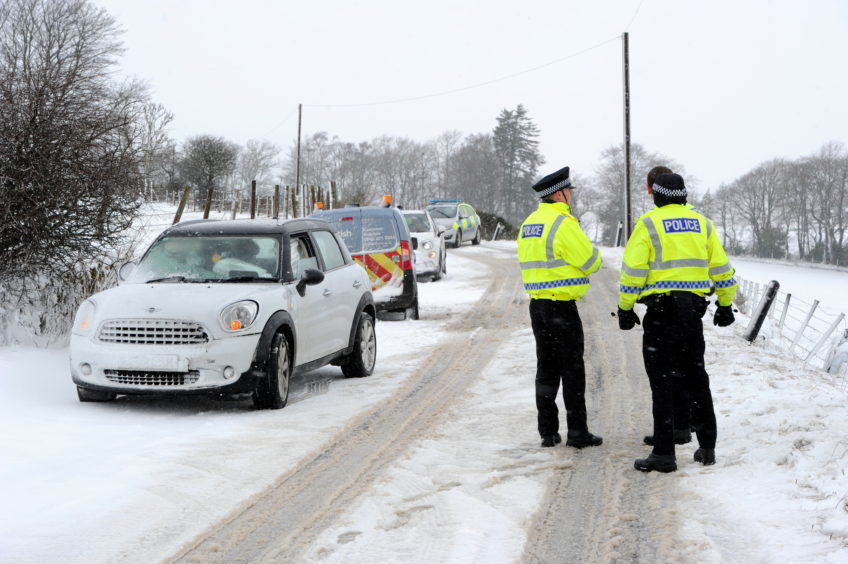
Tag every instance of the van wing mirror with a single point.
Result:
(414, 243)
(310, 277)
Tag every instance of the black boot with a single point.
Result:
(705, 456)
(551, 440)
(681, 437)
(658, 462)
(583, 440)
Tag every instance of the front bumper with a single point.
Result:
(156, 369)
(427, 262)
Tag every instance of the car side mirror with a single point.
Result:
(125, 271)
(414, 243)
(310, 277)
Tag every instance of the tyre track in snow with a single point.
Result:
(603, 510)
(280, 523)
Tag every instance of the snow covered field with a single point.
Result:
(136, 479)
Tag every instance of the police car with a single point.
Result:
(459, 219)
(227, 307)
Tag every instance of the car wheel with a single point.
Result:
(273, 393)
(360, 362)
(476, 239)
(86, 395)
(438, 275)
(458, 241)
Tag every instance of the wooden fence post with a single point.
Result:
(252, 199)
(333, 194)
(210, 192)
(182, 205)
(276, 211)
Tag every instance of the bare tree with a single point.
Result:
(70, 157)
(207, 159)
(256, 162)
(156, 145)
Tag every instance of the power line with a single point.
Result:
(279, 125)
(636, 13)
(469, 87)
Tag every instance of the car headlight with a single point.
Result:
(239, 316)
(427, 245)
(84, 319)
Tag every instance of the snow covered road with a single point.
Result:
(434, 458)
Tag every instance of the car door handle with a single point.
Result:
(357, 283)
(327, 292)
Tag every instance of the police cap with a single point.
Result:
(553, 182)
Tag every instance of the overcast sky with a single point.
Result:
(720, 86)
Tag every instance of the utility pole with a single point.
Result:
(628, 212)
(297, 164)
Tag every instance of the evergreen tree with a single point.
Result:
(517, 149)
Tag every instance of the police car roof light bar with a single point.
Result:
(445, 201)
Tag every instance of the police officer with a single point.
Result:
(682, 410)
(556, 259)
(670, 259)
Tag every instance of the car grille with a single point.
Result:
(152, 332)
(152, 378)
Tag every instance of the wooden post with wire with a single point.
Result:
(210, 193)
(276, 211)
(182, 205)
(628, 212)
(334, 194)
(297, 160)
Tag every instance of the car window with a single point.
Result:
(442, 211)
(417, 222)
(329, 249)
(302, 255)
(463, 212)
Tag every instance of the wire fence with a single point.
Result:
(809, 330)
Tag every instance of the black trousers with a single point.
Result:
(559, 357)
(673, 349)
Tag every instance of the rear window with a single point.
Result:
(417, 222)
(367, 234)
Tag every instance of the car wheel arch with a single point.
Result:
(279, 322)
(366, 307)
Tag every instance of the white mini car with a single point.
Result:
(227, 307)
(430, 252)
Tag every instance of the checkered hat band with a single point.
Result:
(555, 188)
(663, 191)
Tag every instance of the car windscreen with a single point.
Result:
(210, 258)
(417, 222)
(365, 233)
(441, 212)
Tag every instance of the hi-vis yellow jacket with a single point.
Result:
(555, 255)
(674, 248)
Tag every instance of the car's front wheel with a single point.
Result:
(273, 393)
(457, 242)
(476, 239)
(360, 362)
(86, 395)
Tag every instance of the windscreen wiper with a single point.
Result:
(248, 279)
(179, 279)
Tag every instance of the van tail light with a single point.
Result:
(405, 256)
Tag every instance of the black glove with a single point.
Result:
(627, 319)
(723, 316)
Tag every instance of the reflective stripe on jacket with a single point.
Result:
(674, 248)
(555, 255)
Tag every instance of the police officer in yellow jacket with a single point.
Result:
(672, 258)
(556, 259)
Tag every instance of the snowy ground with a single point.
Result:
(136, 479)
